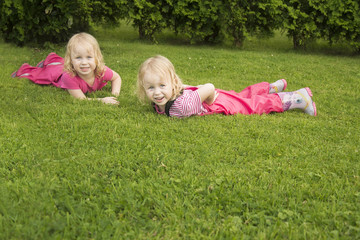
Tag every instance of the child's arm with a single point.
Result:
(77, 93)
(115, 84)
(189, 86)
(207, 93)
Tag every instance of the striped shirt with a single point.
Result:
(188, 104)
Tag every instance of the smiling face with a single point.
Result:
(157, 89)
(83, 61)
(158, 82)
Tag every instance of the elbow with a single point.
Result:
(211, 87)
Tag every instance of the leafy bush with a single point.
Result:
(40, 21)
(342, 21)
(334, 20)
(108, 11)
(250, 17)
(299, 20)
(199, 20)
(208, 21)
(147, 16)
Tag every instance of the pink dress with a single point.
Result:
(51, 72)
(254, 99)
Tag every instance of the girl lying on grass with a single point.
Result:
(81, 71)
(158, 82)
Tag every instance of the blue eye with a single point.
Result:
(162, 85)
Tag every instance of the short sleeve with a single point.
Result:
(187, 104)
(105, 78)
(108, 74)
(192, 104)
(68, 82)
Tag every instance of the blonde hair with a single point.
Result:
(162, 67)
(90, 42)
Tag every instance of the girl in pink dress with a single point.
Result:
(158, 82)
(81, 71)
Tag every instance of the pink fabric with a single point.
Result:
(45, 75)
(67, 81)
(189, 103)
(186, 105)
(254, 99)
(49, 72)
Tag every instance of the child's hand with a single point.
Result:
(109, 100)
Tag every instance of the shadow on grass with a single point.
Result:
(278, 42)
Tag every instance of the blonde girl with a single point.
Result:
(81, 71)
(158, 83)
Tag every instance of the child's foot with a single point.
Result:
(310, 107)
(24, 68)
(300, 99)
(13, 75)
(40, 64)
(278, 86)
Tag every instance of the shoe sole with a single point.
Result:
(308, 90)
(285, 83)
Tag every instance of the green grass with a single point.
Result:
(74, 169)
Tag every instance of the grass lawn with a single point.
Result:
(73, 169)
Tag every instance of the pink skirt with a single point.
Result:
(46, 72)
(254, 99)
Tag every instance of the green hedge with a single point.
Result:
(199, 20)
(299, 20)
(147, 16)
(211, 21)
(333, 20)
(342, 21)
(39, 21)
(107, 11)
(245, 17)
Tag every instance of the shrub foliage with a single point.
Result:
(200, 21)
(39, 21)
(209, 21)
(146, 15)
(250, 17)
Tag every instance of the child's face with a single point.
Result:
(158, 90)
(83, 61)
